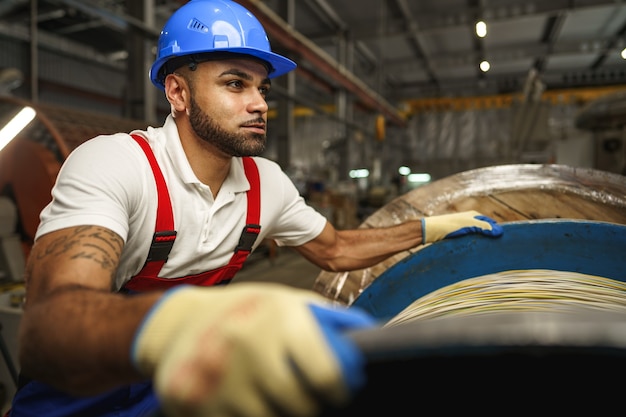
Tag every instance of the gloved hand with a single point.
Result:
(445, 226)
(249, 350)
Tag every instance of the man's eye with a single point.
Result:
(235, 83)
(265, 89)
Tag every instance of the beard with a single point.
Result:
(233, 144)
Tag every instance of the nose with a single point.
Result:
(257, 103)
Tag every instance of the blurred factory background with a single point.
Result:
(381, 84)
(389, 95)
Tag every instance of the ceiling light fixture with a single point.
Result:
(484, 66)
(422, 177)
(404, 170)
(481, 29)
(359, 173)
(16, 125)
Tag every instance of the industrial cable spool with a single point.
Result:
(578, 246)
(534, 290)
(506, 193)
(532, 321)
(30, 163)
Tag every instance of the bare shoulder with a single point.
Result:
(85, 256)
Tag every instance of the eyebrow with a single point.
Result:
(244, 75)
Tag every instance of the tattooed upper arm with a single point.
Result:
(86, 256)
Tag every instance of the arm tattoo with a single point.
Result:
(88, 242)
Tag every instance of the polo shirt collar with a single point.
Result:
(236, 180)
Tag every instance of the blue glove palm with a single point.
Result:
(496, 230)
(445, 226)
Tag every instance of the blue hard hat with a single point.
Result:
(208, 26)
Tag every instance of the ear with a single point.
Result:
(176, 92)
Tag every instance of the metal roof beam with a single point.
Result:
(297, 43)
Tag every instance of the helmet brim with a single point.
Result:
(280, 65)
(277, 64)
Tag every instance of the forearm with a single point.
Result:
(347, 250)
(71, 341)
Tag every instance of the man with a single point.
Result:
(123, 316)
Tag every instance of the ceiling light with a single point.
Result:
(481, 29)
(484, 66)
(624, 53)
(359, 173)
(404, 170)
(16, 125)
(421, 178)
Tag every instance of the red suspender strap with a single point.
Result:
(253, 217)
(164, 234)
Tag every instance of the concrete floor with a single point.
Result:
(285, 266)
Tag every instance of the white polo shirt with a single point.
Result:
(107, 181)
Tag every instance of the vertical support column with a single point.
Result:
(140, 93)
(284, 125)
(34, 53)
(347, 158)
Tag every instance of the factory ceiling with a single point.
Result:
(385, 52)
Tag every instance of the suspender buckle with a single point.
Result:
(248, 237)
(162, 244)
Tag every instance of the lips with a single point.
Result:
(259, 127)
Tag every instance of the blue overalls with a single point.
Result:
(35, 399)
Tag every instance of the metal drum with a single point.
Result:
(563, 356)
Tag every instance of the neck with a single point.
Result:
(210, 165)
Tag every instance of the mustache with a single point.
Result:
(258, 120)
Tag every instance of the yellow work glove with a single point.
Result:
(249, 350)
(445, 226)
